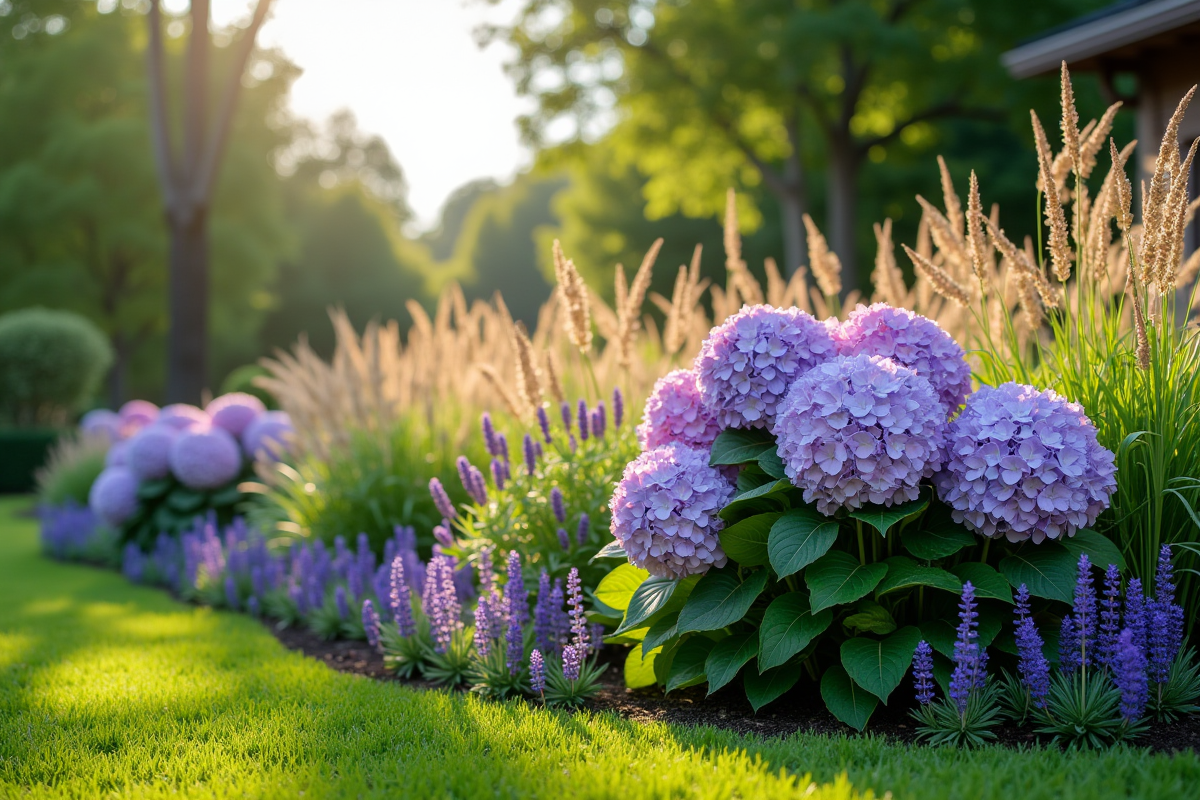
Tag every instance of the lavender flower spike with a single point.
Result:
(618, 401)
(1084, 611)
(1164, 595)
(489, 435)
(572, 660)
(579, 627)
(564, 539)
(343, 605)
(564, 409)
(585, 526)
(441, 499)
(967, 675)
(1069, 647)
(537, 672)
(530, 454)
(401, 600)
(370, 621)
(543, 615)
(1110, 617)
(1135, 614)
(483, 627)
(583, 419)
(516, 597)
(923, 672)
(515, 653)
(498, 473)
(1129, 674)
(544, 424)
(1032, 665)
(556, 504)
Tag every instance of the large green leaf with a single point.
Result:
(639, 671)
(870, 617)
(152, 490)
(1101, 550)
(761, 498)
(882, 518)
(1047, 569)
(186, 501)
(687, 668)
(846, 701)
(904, 573)
(647, 600)
(788, 627)
(720, 599)
(987, 582)
(617, 587)
(762, 688)
(941, 634)
(878, 665)
(798, 538)
(663, 630)
(738, 446)
(746, 541)
(937, 537)
(836, 578)
(611, 550)
(728, 656)
(770, 463)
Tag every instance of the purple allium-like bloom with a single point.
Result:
(583, 419)
(544, 424)
(1024, 464)
(441, 499)
(1032, 665)
(556, 504)
(489, 435)
(530, 453)
(675, 413)
(572, 660)
(1110, 617)
(182, 417)
(101, 422)
(1129, 674)
(912, 341)
(748, 362)
(537, 671)
(498, 473)
(113, 496)
(137, 414)
(400, 598)
(149, 454)
(922, 667)
(1135, 614)
(234, 412)
(1084, 612)
(370, 621)
(857, 430)
(117, 455)
(515, 652)
(339, 600)
(579, 628)
(618, 401)
(564, 539)
(205, 459)
(969, 670)
(268, 436)
(664, 511)
(584, 528)
(515, 596)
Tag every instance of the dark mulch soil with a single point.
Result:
(799, 710)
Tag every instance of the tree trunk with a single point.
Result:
(187, 338)
(795, 238)
(842, 196)
(118, 375)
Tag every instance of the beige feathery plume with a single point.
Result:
(1070, 123)
(1122, 191)
(675, 328)
(946, 236)
(630, 310)
(824, 263)
(574, 294)
(976, 241)
(552, 381)
(1177, 206)
(941, 281)
(1143, 341)
(1027, 299)
(528, 388)
(1021, 261)
(493, 378)
(1187, 272)
(1155, 208)
(620, 287)
(1094, 140)
(735, 266)
(950, 197)
(887, 278)
(1060, 249)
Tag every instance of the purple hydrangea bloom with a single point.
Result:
(137, 414)
(1025, 464)
(912, 341)
(113, 496)
(268, 435)
(923, 672)
(748, 362)
(234, 412)
(860, 429)
(1110, 617)
(537, 671)
(101, 422)
(205, 459)
(1129, 674)
(370, 621)
(117, 455)
(149, 453)
(1032, 665)
(970, 661)
(183, 417)
(675, 413)
(618, 401)
(664, 511)
(441, 499)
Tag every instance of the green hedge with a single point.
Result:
(24, 450)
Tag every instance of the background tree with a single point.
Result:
(701, 96)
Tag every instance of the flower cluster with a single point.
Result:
(912, 341)
(1025, 464)
(664, 511)
(859, 429)
(674, 413)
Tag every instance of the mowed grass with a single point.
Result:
(110, 690)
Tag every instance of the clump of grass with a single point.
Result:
(70, 470)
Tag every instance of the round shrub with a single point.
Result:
(51, 364)
(860, 429)
(205, 459)
(1025, 464)
(675, 413)
(748, 362)
(149, 453)
(912, 341)
(272, 431)
(182, 417)
(235, 411)
(664, 511)
(114, 495)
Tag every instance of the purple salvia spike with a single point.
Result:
(486, 571)
(1129, 674)
(565, 411)
(564, 540)
(515, 652)
(965, 677)
(618, 401)
(581, 532)
(557, 505)
(1069, 648)
(579, 628)
(231, 592)
(1135, 614)
(1159, 634)
(1032, 665)
(582, 418)
(464, 474)
(400, 597)
(1084, 611)
(544, 423)
(441, 499)
(537, 672)
(923, 672)
(502, 447)
(1022, 609)
(483, 628)
(530, 454)
(370, 621)
(252, 606)
(343, 605)
(543, 620)
(516, 598)
(443, 535)
(498, 474)
(1110, 617)
(572, 660)
(489, 435)
(1164, 596)
(478, 486)
(599, 420)
(561, 620)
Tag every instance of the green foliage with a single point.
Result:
(941, 723)
(1082, 710)
(72, 467)
(51, 364)
(1178, 696)
(167, 506)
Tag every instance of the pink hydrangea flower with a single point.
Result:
(182, 417)
(1025, 464)
(664, 511)
(235, 411)
(748, 362)
(675, 413)
(137, 414)
(149, 453)
(113, 496)
(205, 459)
(860, 430)
(271, 432)
(102, 422)
(912, 341)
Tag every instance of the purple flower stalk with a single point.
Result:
(599, 420)
(441, 601)
(498, 473)
(1110, 617)
(543, 615)
(1129, 674)
(581, 532)
(339, 599)
(502, 447)
(1032, 665)
(252, 606)
(483, 627)
(515, 596)
(370, 621)
(537, 672)
(564, 410)
(564, 539)
(583, 419)
(443, 534)
(478, 486)
(515, 653)
(572, 660)
(530, 453)
(923, 672)
(557, 505)
(1164, 597)
(969, 667)
(401, 599)
(231, 592)
(489, 435)
(1084, 611)
(1161, 652)
(544, 423)
(618, 401)
(1135, 614)
(1069, 648)
(441, 499)
(579, 626)
(561, 620)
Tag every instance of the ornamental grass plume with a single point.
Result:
(860, 429)
(665, 512)
(747, 363)
(912, 341)
(1024, 464)
(675, 413)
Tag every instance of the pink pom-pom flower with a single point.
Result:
(235, 411)
(675, 413)
(113, 496)
(268, 435)
(205, 459)
(149, 453)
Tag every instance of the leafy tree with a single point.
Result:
(701, 96)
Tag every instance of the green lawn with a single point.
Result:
(107, 689)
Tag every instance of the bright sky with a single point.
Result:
(411, 71)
